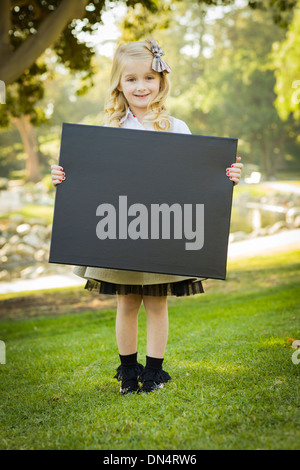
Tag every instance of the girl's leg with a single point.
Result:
(127, 322)
(157, 325)
(153, 376)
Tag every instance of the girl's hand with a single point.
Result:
(234, 173)
(57, 174)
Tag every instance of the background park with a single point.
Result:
(233, 351)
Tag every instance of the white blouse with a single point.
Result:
(129, 121)
(120, 276)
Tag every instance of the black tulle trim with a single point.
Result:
(125, 373)
(179, 289)
(158, 376)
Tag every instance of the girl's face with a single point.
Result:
(139, 84)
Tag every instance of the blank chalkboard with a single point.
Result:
(143, 201)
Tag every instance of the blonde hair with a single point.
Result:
(117, 106)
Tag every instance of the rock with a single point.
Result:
(3, 183)
(14, 240)
(292, 214)
(237, 236)
(40, 231)
(32, 240)
(15, 259)
(6, 250)
(40, 255)
(2, 241)
(25, 250)
(297, 222)
(23, 229)
(277, 227)
(49, 232)
(4, 275)
(46, 246)
(37, 221)
(17, 218)
(260, 232)
(40, 271)
(32, 272)
(27, 273)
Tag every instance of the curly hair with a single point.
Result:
(116, 105)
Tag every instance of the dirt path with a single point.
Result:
(288, 240)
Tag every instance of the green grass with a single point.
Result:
(229, 354)
(33, 211)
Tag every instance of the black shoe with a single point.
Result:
(129, 377)
(153, 379)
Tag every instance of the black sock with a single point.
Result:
(154, 362)
(129, 360)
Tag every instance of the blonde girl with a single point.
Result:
(138, 90)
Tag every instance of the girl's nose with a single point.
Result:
(141, 86)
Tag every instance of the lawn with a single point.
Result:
(229, 353)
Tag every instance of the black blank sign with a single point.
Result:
(147, 168)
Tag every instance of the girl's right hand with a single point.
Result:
(57, 174)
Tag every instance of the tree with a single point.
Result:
(222, 77)
(281, 10)
(235, 94)
(29, 27)
(287, 71)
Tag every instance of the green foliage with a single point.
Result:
(32, 211)
(141, 22)
(287, 71)
(282, 10)
(47, 182)
(221, 88)
(75, 54)
(225, 84)
(27, 17)
(23, 96)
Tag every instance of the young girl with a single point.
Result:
(137, 95)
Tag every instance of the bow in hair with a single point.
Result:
(158, 64)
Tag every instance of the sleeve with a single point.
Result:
(180, 127)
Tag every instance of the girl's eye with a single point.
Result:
(150, 78)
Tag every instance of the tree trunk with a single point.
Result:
(28, 135)
(266, 159)
(14, 63)
(5, 23)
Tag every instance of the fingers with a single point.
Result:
(237, 165)
(57, 174)
(234, 174)
(235, 171)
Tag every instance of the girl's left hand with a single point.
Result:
(234, 173)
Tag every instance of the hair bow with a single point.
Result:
(158, 64)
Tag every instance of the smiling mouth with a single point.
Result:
(141, 96)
